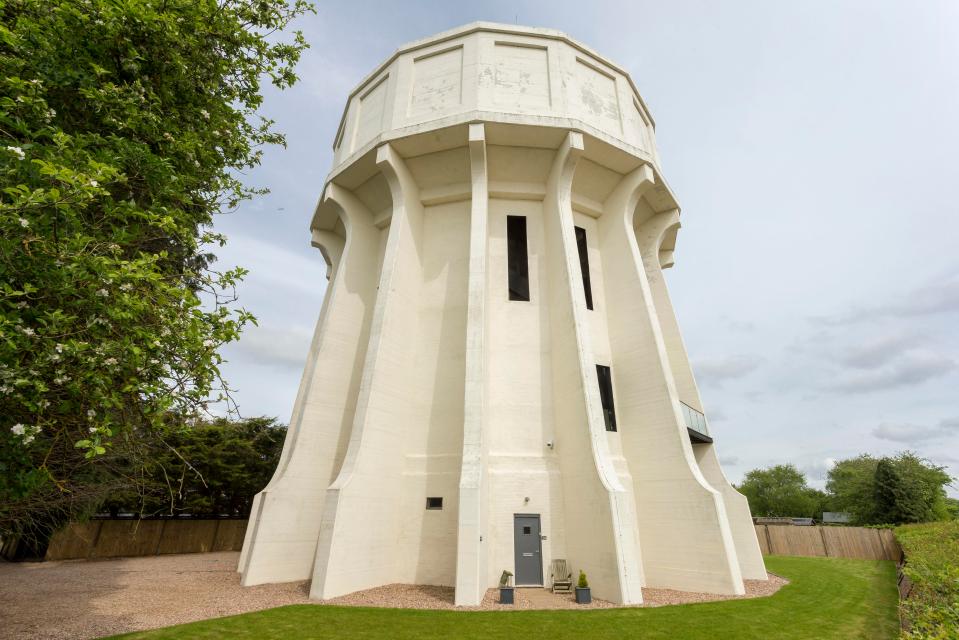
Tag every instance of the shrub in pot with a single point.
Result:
(506, 588)
(583, 594)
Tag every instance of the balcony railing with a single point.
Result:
(696, 425)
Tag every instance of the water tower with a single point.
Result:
(497, 377)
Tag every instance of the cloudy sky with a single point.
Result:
(813, 147)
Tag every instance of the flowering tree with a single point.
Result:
(123, 126)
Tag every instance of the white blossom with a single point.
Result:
(110, 362)
(28, 331)
(91, 413)
(93, 429)
(205, 113)
(103, 293)
(17, 151)
(208, 343)
(59, 348)
(94, 183)
(21, 305)
(24, 222)
(55, 358)
(18, 429)
(126, 286)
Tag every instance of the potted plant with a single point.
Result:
(506, 588)
(583, 595)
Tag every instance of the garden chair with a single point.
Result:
(560, 576)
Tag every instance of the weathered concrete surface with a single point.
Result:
(425, 380)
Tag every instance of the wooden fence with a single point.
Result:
(831, 542)
(116, 538)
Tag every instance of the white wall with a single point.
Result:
(685, 535)
(285, 520)
(521, 411)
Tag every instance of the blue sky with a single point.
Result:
(813, 148)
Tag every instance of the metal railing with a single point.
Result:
(695, 420)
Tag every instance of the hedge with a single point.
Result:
(931, 612)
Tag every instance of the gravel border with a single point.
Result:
(93, 598)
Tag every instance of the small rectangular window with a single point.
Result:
(606, 396)
(527, 531)
(434, 503)
(517, 258)
(584, 264)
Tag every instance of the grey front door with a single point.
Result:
(528, 550)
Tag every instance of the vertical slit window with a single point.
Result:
(606, 396)
(518, 258)
(584, 264)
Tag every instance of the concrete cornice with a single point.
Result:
(488, 27)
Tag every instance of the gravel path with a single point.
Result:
(94, 598)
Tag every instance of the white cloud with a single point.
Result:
(285, 347)
(913, 434)
(909, 370)
(718, 370)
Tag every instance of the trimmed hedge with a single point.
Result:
(931, 612)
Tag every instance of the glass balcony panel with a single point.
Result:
(695, 420)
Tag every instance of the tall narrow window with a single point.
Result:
(517, 257)
(584, 264)
(606, 396)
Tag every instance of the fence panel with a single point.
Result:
(763, 539)
(75, 541)
(795, 541)
(833, 542)
(118, 538)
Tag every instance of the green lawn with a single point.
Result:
(828, 598)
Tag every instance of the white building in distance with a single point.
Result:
(497, 378)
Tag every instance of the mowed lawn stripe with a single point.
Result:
(827, 598)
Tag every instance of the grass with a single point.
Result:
(828, 598)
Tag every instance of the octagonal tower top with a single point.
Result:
(495, 73)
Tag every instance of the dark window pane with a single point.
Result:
(584, 264)
(434, 503)
(517, 257)
(527, 531)
(606, 396)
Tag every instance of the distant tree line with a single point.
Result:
(896, 489)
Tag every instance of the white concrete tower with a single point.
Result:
(497, 377)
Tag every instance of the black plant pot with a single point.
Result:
(583, 596)
(506, 595)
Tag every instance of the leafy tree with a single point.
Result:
(850, 484)
(125, 126)
(212, 468)
(781, 491)
(890, 490)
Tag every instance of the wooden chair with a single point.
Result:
(560, 576)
